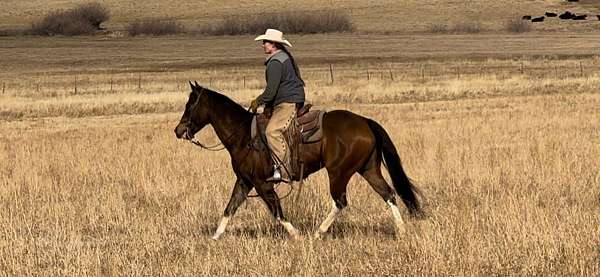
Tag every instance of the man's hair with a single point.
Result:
(285, 50)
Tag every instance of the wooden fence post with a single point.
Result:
(391, 75)
(331, 72)
(140, 82)
(368, 75)
(75, 83)
(244, 81)
(522, 68)
(111, 84)
(581, 68)
(3, 87)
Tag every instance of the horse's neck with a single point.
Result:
(231, 123)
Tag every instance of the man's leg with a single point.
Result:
(283, 115)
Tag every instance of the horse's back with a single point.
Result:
(346, 137)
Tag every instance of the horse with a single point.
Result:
(350, 144)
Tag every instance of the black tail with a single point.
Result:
(405, 189)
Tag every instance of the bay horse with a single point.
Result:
(350, 144)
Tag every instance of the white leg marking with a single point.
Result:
(397, 217)
(221, 229)
(328, 221)
(290, 229)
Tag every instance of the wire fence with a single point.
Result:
(323, 75)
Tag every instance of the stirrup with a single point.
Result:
(277, 177)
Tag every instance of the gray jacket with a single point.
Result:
(283, 85)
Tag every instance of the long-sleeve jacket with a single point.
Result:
(283, 84)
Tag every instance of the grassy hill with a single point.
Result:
(368, 16)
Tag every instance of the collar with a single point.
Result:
(271, 56)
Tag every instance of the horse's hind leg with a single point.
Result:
(238, 196)
(268, 194)
(373, 175)
(337, 187)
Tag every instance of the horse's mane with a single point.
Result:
(224, 103)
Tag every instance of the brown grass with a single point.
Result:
(96, 183)
(292, 22)
(155, 27)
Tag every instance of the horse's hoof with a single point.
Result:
(318, 235)
(216, 236)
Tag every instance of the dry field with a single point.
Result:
(501, 134)
(370, 16)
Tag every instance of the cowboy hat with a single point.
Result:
(274, 36)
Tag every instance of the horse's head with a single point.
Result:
(195, 116)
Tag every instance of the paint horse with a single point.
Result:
(350, 144)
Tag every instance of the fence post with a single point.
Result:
(140, 82)
(391, 75)
(75, 83)
(423, 72)
(522, 68)
(111, 84)
(3, 87)
(331, 72)
(458, 72)
(581, 68)
(244, 81)
(368, 75)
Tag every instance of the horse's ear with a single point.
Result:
(196, 84)
(192, 86)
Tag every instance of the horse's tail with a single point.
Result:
(404, 187)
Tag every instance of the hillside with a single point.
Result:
(368, 16)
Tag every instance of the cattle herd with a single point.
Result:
(567, 15)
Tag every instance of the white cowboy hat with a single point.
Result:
(275, 36)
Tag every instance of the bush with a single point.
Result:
(84, 19)
(518, 25)
(299, 22)
(155, 27)
(438, 28)
(467, 27)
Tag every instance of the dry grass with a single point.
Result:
(155, 27)
(510, 186)
(504, 149)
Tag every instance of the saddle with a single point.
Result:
(306, 128)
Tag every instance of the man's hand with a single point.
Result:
(254, 105)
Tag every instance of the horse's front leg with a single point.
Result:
(268, 194)
(238, 196)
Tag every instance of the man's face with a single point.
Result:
(269, 47)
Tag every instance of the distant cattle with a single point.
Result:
(549, 14)
(566, 15)
(580, 17)
(526, 17)
(538, 19)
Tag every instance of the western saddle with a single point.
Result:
(306, 129)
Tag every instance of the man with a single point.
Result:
(284, 94)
